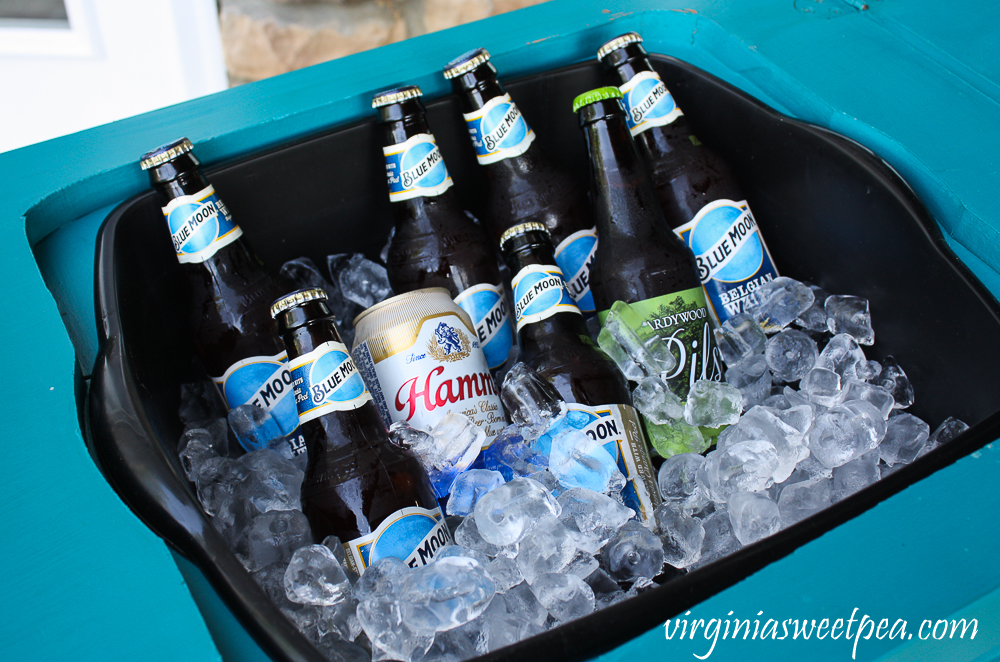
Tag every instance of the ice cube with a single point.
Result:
(845, 432)
(254, 427)
(635, 347)
(362, 281)
(512, 456)
(275, 482)
(849, 314)
(522, 603)
(856, 475)
(576, 460)
(752, 377)
(719, 537)
(904, 437)
(505, 573)
(678, 482)
(469, 487)
(843, 356)
(548, 547)
(592, 516)
(753, 516)
(381, 579)
(304, 273)
(814, 318)
(713, 404)
(656, 401)
(790, 355)
(274, 536)
(530, 401)
(945, 433)
(776, 303)
(566, 597)
(769, 425)
(878, 396)
(803, 499)
(681, 535)
(739, 338)
(467, 535)
(893, 379)
(196, 446)
(822, 386)
(747, 466)
(392, 636)
(505, 515)
(676, 437)
(315, 577)
(446, 594)
(633, 552)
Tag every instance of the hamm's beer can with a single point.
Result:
(421, 358)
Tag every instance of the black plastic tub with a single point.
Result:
(832, 213)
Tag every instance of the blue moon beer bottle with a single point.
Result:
(701, 199)
(359, 486)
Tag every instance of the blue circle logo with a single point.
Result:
(721, 222)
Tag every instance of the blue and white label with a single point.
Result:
(574, 255)
(326, 380)
(265, 381)
(200, 225)
(487, 307)
(415, 168)
(732, 258)
(498, 130)
(618, 429)
(648, 102)
(539, 293)
(414, 535)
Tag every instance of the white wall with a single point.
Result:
(118, 58)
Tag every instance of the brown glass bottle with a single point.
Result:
(435, 243)
(639, 260)
(229, 285)
(524, 186)
(700, 196)
(359, 486)
(555, 343)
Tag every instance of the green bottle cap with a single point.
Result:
(600, 94)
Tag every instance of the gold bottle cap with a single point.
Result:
(521, 228)
(297, 298)
(466, 62)
(165, 153)
(396, 95)
(618, 42)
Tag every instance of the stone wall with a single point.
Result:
(263, 38)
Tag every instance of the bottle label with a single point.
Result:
(414, 535)
(415, 168)
(574, 255)
(683, 321)
(423, 378)
(200, 225)
(326, 380)
(265, 381)
(648, 102)
(733, 260)
(487, 306)
(540, 293)
(620, 431)
(498, 130)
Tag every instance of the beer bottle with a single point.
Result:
(639, 260)
(555, 342)
(701, 199)
(435, 243)
(230, 288)
(359, 486)
(524, 186)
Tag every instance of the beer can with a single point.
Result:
(420, 355)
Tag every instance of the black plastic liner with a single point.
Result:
(831, 211)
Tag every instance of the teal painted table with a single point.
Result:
(915, 81)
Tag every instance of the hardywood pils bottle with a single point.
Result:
(555, 342)
(359, 486)
(435, 243)
(701, 199)
(230, 288)
(524, 186)
(639, 260)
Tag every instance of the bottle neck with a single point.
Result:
(475, 88)
(306, 327)
(625, 203)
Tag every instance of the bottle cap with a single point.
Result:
(396, 95)
(531, 226)
(165, 153)
(297, 298)
(600, 94)
(618, 42)
(466, 62)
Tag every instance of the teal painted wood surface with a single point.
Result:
(915, 81)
